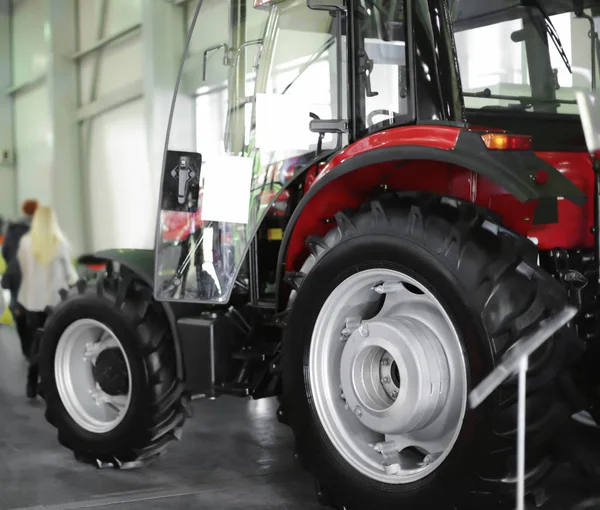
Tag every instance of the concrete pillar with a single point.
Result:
(8, 190)
(67, 188)
(164, 34)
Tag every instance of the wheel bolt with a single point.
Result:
(358, 411)
(385, 380)
(364, 330)
(385, 362)
(394, 393)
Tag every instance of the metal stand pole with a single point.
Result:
(517, 362)
(523, 364)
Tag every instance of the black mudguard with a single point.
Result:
(141, 262)
(515, 171)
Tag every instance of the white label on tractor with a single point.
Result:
(226, 193)
(282, 123)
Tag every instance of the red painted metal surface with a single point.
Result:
(441, 137)
(178, 225)
(572, 230)
(96, 267)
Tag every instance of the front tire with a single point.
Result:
(483, 291)
(108, 373)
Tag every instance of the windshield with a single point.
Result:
(509, 59)
(253, 80)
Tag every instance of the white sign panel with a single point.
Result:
(227, 185)
(282, 123)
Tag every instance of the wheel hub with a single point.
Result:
(93, 376)
(110, 372)
(388, 376)
(368, 382)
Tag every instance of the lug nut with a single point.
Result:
(385, 380)
(385, 362)
(394, 393)
(358, 412)
(364, 330)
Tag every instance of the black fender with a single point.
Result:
(514, 170)
(141, 262)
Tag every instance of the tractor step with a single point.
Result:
(261, 352)
(233, 389)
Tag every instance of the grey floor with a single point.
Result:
(234, 455)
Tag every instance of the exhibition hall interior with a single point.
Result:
(300, 254)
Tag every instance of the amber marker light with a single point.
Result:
(506, 142)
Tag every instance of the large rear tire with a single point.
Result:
(108, 373)
(458, 291)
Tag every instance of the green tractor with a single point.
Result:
(346, 224)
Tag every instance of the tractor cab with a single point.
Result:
(269, 91)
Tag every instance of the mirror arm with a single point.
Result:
(255, 42)
(226, 59)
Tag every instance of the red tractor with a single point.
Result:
(379, 202)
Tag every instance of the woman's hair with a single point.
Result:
(46, 236)
(29, 207)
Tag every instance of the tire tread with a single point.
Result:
(168, 407)
(492, 263)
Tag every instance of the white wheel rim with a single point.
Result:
(394, 430)
(85, 400)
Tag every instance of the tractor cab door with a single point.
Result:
(254, 75)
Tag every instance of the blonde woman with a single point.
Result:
(45, 260)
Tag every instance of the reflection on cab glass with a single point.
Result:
(252, 82)
(526, 58)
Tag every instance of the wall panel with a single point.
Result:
(31, 109)
(28, 40)
(33, 144)
(120, 65)
(123, 204)
(121, 14)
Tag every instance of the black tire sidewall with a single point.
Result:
(455, 476)
(127, 432)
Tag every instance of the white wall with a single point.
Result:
(8, 202)
(121, 207)
(31, 109)
(122, 204)
(120, 184)
(33, 145)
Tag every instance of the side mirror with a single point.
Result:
(589, 110)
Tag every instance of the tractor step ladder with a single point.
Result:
(260, 352)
